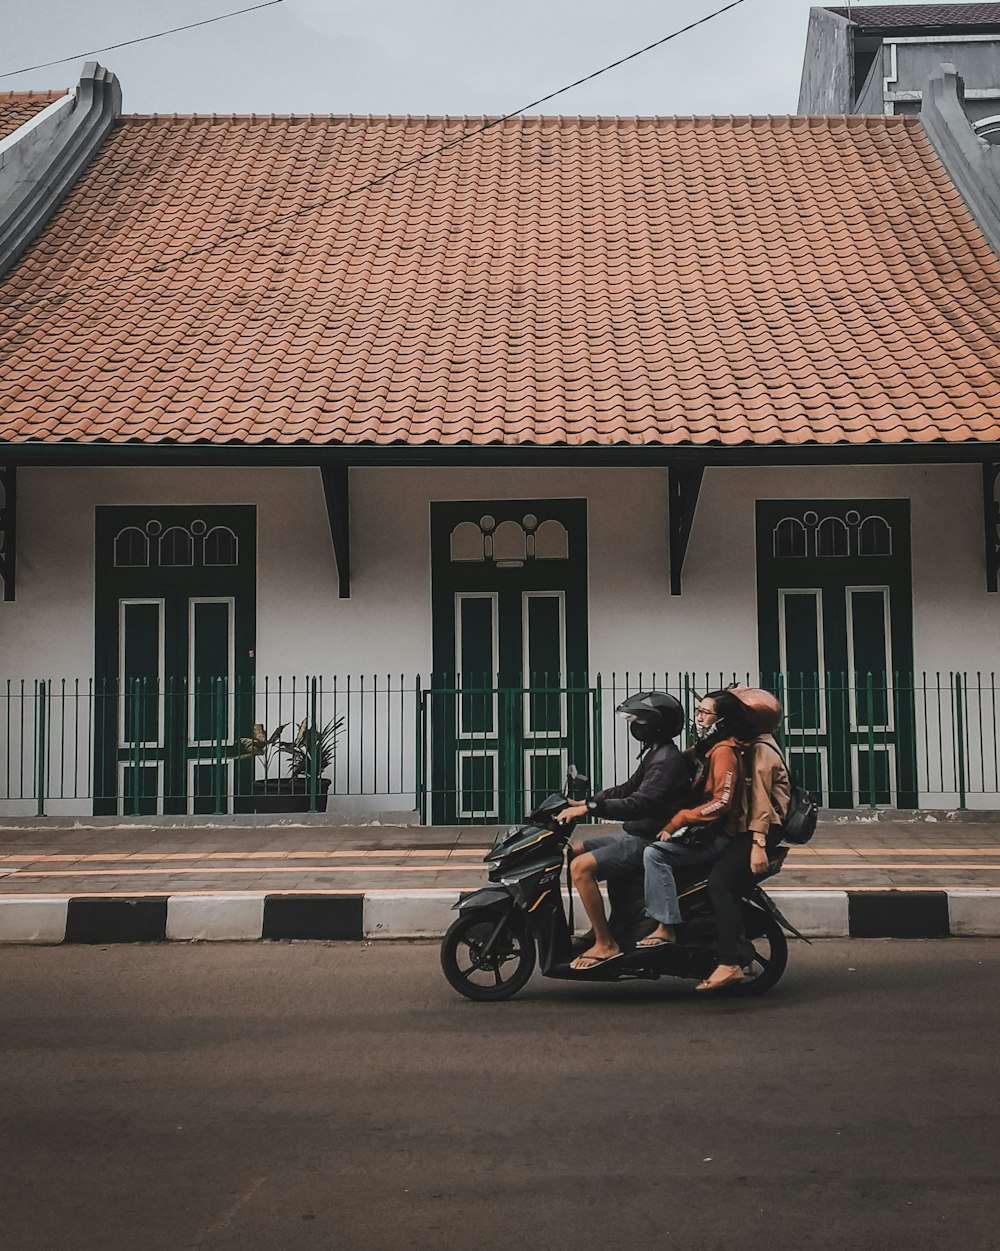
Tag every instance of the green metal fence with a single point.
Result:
(467, 752)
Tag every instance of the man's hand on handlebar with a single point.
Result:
(573, 813)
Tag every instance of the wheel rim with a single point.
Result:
(492, 969)
(763, 958)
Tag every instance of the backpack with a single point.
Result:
(800, 820)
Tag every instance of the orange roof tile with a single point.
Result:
(551, 281)
(18, 107)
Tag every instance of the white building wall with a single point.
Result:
(385, 627)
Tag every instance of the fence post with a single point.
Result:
(960, 738)
(870, 719)
(418, 769)
(136, 742)
(596, 784)
(40, 696)
(313, 736)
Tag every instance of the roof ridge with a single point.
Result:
(860, 121)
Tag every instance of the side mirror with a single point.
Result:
(575, 777)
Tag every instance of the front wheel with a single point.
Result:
(770, 948)
(487, 954)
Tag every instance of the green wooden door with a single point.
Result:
(510, 705)
(174, 657)
(835, 620)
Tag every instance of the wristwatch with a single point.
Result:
(759, 842)
(591, 805)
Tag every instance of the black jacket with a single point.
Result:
(645, 803)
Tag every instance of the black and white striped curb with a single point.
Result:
(354, 916)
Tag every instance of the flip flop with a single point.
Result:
(646, 944)
(595, 962)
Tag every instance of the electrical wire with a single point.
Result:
(127, 43)
(444, 147)
(489, 124)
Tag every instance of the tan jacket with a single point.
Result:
(768, 786)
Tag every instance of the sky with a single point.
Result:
(465, 57)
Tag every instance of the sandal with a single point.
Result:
(728, 978)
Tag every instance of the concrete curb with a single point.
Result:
(352, 916)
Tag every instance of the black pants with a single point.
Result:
(729, 877)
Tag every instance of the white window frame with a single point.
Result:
(160, 668)
(817, 593)
(560, 596)
(857, 725)
(230, 661)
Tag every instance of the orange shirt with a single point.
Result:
(720, 790)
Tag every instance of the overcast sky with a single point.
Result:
(418, 56)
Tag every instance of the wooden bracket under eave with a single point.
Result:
(991, 524)
(683, 486)
(336, 489)
(8, 530)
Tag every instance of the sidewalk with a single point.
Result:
(401, 881)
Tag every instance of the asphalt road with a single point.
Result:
(343, 1097)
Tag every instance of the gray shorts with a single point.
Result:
(617, 855)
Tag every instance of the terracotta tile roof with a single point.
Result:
(925, 16)
(608, 281)
(18, 107)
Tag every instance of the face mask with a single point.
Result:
(704, 732)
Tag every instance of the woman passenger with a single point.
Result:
(763, 808)
(721, 723)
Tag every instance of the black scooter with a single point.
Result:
(489, 952)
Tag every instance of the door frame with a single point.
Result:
(834, 579)
(510, 745)
(177, 589)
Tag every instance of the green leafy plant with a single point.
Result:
(312, 749)
(263, 746)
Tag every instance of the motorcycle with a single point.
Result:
(490, 951)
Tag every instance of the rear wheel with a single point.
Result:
(770, 955)
(488, 955)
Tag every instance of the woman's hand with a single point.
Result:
(573, 813)
(758, 859)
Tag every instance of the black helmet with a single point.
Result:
(654, 716)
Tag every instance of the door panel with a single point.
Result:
(836, 638)
(510, 638)
(174, 657)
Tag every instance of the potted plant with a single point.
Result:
(310, 753)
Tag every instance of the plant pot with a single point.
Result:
(288, 795)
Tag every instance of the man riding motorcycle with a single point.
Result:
(644, 804)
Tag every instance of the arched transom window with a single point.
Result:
(154, 545)
(511, 543)
(851, 535)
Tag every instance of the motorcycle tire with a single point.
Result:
(506, 969)
(770, 956)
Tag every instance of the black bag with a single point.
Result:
(698, 834)
(800, 820)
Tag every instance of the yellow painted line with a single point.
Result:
(796, 854)
(220, 871)
(22, 875)
(892, 851)
(277, 854)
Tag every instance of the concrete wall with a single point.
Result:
(302, 625)
(871, 96)
(385, 627)
(978, 63)
(827, 85)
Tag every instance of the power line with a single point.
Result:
(162, 266)
(111, 47)
(444, 147)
